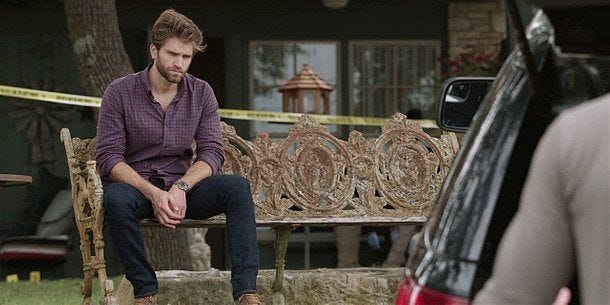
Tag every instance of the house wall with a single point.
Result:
(238, 24)
(35, 52)
(477, 23)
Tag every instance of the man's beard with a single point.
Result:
(166, 74)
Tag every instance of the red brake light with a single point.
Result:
(410, 293)
(404, 291)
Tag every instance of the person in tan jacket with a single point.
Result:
(561, 228)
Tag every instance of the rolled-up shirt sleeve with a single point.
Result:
(111, 138)
(210, 148)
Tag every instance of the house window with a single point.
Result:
(393, 76)
(273, 63)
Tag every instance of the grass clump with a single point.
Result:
(48, 292)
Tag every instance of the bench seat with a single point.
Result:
(297, 222)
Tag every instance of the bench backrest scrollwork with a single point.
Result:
(312, 174)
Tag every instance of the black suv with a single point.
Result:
(552, 68)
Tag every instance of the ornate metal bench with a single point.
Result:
(308, 178)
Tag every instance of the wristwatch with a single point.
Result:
(181, 184)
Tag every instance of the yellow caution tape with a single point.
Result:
(49, 96)
(238, 114)
(291, 117)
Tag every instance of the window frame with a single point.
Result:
(252, 44)
(395, 43)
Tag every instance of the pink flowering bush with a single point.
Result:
(472, 62)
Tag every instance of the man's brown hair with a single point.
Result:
(172, 24)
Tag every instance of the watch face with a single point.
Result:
(182, 185)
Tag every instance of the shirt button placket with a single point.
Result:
(164, 131)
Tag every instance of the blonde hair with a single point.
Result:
(172, 24)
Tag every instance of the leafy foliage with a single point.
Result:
(271, 61)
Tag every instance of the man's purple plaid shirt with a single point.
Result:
(133, 128)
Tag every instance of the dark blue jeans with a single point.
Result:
(125, 207)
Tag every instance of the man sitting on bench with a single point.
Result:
(147, 123)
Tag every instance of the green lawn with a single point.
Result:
(47, 292)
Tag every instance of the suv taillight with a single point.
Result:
(410, 293)
(404, 291)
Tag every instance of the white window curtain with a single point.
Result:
(393, 76)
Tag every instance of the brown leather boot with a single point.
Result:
(149, 300)
(248, 299)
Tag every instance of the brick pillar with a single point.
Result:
(481, 24)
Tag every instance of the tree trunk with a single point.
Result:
(100, 58)
(97, 43)
(183, 249)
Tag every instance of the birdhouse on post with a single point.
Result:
(306, 92)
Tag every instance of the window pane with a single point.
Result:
(391, 76)
(276, 62)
